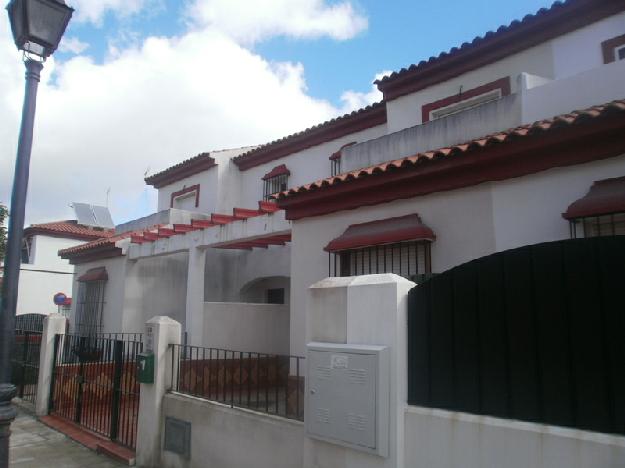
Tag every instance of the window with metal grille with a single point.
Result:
(273, 185)
(596, 226)
(26, 250)
(408, 259)
(89, 307)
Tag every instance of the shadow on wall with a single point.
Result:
(267, 290)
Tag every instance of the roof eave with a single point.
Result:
(558, 147)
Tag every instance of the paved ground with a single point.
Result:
(35, 445)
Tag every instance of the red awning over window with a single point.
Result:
(95, 274)
(604, 197)
(276, 171)
(384, 231)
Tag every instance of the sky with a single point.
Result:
(139, 85)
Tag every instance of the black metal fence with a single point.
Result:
(535, 334)
(94, 385)
(268, 383)
(30, 322)
(25, 363)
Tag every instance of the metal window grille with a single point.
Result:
(335, 166)
(89, 308)
(407, 259)
(598, 226)
(274, 185)
(26, 250)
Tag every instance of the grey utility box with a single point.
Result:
(347, 395)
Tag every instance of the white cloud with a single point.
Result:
(94, 10)
(251, 21)
(73, 45)
(167, 99)
(353, 100)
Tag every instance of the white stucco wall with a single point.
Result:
(209, 185)
(443, 439)
(46, 275)
(223, 437)
(229, 273)
(584, 45)
(469, 223)
(261, 328)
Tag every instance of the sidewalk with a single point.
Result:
(35, 445)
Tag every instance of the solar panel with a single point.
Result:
(103, 216)
(84, 214)
(93, 215)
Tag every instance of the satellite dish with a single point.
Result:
(93, 215)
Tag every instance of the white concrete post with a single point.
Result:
(161, 332)
(371, 310)
(53, 324)
(195, 296)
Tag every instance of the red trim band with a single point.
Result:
(608, 47)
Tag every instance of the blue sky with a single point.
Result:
(140, 85)
(399, 33)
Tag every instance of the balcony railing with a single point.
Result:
(268, 383)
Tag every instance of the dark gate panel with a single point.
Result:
(25, 363)
(534, 334)
(94, 385)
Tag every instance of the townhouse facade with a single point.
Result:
(476, 151)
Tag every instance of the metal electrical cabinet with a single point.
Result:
(348, 395)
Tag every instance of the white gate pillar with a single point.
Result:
(362, 310)
(160, 333)
(53, 324)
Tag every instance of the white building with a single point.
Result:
(501, 143)
(43, 273)
(219, 258)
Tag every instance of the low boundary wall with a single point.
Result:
(224, 437)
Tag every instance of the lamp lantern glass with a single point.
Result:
(38, 25)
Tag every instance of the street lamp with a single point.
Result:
(37, 27)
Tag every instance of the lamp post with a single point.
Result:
(37, 27)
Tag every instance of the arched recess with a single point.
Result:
(267, 290)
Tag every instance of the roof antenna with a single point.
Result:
(108, 192)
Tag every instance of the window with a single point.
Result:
(186, 199)
(275, 181)
(90, 301)
(275, 296)
(26, 250)
(407, 259)
(335, 165)
(596, 226)
(613, 49)
(395, 245)
(335, 159)
(466, 99)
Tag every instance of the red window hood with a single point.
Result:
(384, 231)
(95, 274)
(604, 197)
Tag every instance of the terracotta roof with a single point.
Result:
(361, 119)
(277, 171)
(69, 229)
(454, 155)
(104, 247)
(186, 168)
(547, 23)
